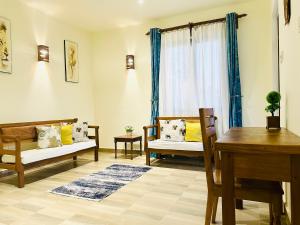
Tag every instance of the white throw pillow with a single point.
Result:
(80, 132)
(172, 130)
(49, 136)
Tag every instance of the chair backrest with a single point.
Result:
(187, 118)
(27, 130)
(209, 137)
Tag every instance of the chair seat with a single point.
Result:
(256, 188)
(271, 186)
(36, 155)
(176, 145)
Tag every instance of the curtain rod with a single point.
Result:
(190, 25)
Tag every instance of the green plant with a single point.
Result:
(273, 98)
(129, 128)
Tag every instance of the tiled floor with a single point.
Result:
(172, 193)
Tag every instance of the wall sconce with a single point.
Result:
(43, 53)
(130, 62)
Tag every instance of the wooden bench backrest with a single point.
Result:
(27, 130)
(188, 118)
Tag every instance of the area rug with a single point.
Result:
(99, 185)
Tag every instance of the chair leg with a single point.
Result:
(271, 214)
(209, 209)
(239, 204)
(215, 207)
(276, 206)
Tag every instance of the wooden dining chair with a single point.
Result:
(246, 189)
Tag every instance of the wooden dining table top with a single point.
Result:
(259, 140)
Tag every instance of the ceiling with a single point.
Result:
(97, 15)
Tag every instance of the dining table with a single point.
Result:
(263, 154)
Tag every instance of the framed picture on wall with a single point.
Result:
(71, 61)
(5, 46)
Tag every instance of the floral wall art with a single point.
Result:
(71, 61)
(5, 46)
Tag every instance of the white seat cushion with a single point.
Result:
(35, 155)
(178, 145)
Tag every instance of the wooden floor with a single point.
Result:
(169, 194)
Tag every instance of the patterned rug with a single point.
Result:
(99, 185)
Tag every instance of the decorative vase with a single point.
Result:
(129, 133)
(273, 122)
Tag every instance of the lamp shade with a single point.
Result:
(43, 53)
(130, 62)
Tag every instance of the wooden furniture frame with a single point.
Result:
(29, 135)
(126, 139)
(246, 189)
(258, 153)
(156, 126)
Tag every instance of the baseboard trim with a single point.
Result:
(106, 150)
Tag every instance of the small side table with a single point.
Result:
(126, 139)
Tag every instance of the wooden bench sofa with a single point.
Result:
(14, 135)
(152, 144)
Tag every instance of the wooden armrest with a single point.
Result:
(146, 136)
(96, 137)
(150, 126)
(13, 139)
(93, 126)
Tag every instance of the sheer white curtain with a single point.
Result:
(195, 75)
(177, 97)
(210, 64)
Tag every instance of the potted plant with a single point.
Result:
(273, 98)
(129, 130)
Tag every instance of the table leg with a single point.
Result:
(295, 187)
(131, 150)
(125, 148)
(115, 149)
(228, 202)
(141, 148)
(239, 204)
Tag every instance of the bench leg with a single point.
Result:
(147, 158)
(96, 154)
(21, 178)
(239, 204)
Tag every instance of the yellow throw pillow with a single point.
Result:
(193, 132)
(66, 134)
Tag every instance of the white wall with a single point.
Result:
(107, 91)
(37, 91)
(123, 97)
(289, 71)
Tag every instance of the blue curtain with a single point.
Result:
(235, 104)
(155, 37)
